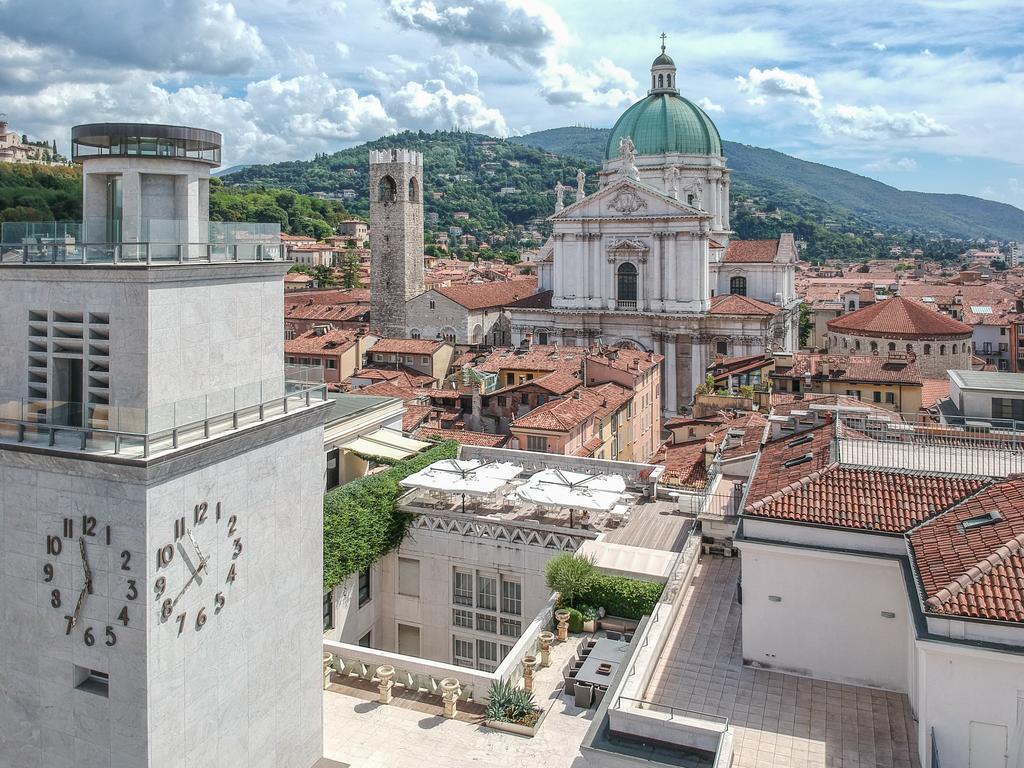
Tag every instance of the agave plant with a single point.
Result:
(509, 704)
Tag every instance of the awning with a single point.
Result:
(624, 560)
(385, 444)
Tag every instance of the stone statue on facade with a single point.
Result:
(674, 175)
(627, 156)
(581, 177)
(696, 190)
(559, 196)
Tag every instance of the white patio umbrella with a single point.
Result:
(559, 488)
(468, 478)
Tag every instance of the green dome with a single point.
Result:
(664, 122)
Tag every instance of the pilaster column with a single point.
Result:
(131, 215)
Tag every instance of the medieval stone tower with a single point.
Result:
(396, 237)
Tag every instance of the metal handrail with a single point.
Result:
(672, 711)
(133, 254)
(172, 434)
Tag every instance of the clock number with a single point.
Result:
(88, 525)
(231, 525)
(133, 591)
(166, 608)
(181, 623)
(231, 574)
(55, 598)
(71, 624)
(218, 602)
(179, 528)
(218, 511)
(53, 545)
(69, 528)
(108, 535)
(200, 619)
(88, 637)
(48, 573)
(160, 586)
(238, 548)
(164, 555)
(111, 638)
(126, 557)
(199, 514)
(122, 617)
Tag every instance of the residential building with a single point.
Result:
(429, 357)
(337, 353)
(893, 381)
(980, 398)
(354, 232)
(14, 150)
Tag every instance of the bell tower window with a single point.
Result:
(414, 190)
(661, 81)
(387, 190)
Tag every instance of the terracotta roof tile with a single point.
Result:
(734, 304)
(333, 341)
(488, 295)
(975, 571)
(463, 436)
(407, 346)
(414, 416)
(571, 412)
(685, 465)
(868, 368)
(900, 318)
(751, 251)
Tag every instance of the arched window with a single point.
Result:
(626, 283)
(892, 346)
(954, 349)
(845, 343)
(738, 285)
(856, 344)
(690, 198)
(387, 190)
(942, 349)
(414, 190)
(668, 80)
(910, 349)
(661, 81)
(874, 347)
(654, 82)
(927, 349)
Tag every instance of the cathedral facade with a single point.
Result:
(648, 260)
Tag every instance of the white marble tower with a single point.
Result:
(160, 503)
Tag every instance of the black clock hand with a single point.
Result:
(85, 565)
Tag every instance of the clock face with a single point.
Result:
(87, 549)
(209, 543)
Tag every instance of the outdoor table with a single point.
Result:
(606, 651)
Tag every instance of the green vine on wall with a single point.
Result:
(361, 522)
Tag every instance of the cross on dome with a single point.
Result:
(663, 36)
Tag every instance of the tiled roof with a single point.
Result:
(570, 412)
(312, 343)
(977, 571)
(325, 312)
(388, 389)
(539, 357)
(401, 375)
(414, 416)
(868, 368)
(627, 360)
(331, 296)
(557, 383)
(734, 304)
(463, 436)
(747, 430)
(783, 404)
(488, 295)
(407, 346)
(540, 300)
(751, 251)
(685, 465)
(900, 318)
(822, 492)
(588, 448)
(933, 390)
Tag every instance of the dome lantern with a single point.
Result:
(663, 72)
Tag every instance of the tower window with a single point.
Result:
(387, 190)
(668, 80)
(414, 190)
(661, 81)
(738, 286)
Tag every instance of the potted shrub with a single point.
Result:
(589, 617)
(512, 709)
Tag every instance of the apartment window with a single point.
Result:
(378, 358)
(461, 618)
(877, 396)
(501, 402)
(332, 364)
(511, 597)
(486, 623)
(511, 628)
(424, 360)
(486, 593)
(462, 652)
(328, 611)
(364, 587)
(408, 577)
(524, 398)
(536, 443)
(487, 655)
(463, 588)
(1007, 408)
(890, 397)
(505, 650)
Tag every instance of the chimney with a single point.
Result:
(823, 368)
(527, 340)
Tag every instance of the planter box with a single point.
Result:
(516, 728)
(590, 626)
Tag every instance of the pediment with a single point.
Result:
(626, 198)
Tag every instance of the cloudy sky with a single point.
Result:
(924, 95)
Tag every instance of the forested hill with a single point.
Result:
(829, 195)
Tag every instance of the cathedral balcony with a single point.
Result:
(626, 306)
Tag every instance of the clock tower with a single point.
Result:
(160, 481)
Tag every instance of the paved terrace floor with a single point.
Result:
(412, 733)
(779, 720)
(655, 525)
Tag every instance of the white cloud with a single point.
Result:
(709, 106)
(605, 84)
(342, 50)
(879, 46)
(876, 122)
(763, 84)
(890, 164)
